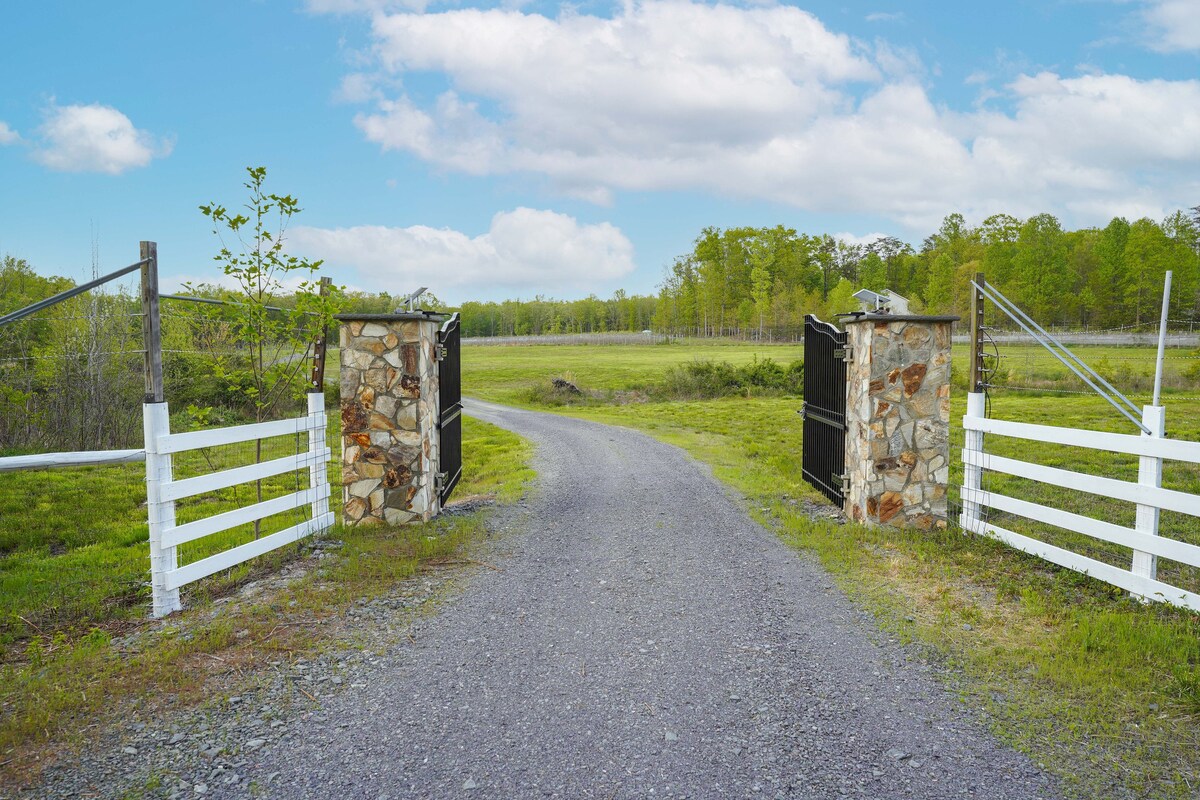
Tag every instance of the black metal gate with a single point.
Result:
(450, 403)
(824, 450)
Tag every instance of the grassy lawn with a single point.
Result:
(1103, 691)
(78, 665)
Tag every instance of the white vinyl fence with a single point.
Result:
(1147, 494)
(162, 490)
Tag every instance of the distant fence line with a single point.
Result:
(1111, 339)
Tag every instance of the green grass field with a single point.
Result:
(72, 584)
(1102, 690)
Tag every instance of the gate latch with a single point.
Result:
(844, 353)
(841, 481)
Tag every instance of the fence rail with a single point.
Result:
(163, 490)
(1146, 493)
(81, 458)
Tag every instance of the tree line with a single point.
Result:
(762, 281)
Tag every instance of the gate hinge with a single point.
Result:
(844, 353)
(439, 481)
(440, 352)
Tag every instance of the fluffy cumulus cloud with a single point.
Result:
(523, 249)
(7, 134)
(767, 102)
(1173, 25)
(95, 138)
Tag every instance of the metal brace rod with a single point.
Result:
(1042, 340)
(67, 294)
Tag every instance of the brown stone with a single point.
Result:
(410, 386)
(411, 361)
(356, 508)
(367, 397)
(381, 423)
(912, 376)
(397, 476)
(893, 375)
(872, 506)
(354, 416)
(876, 386)
(882, 409)
(908, 458)
(391, 375)
(391, 341)
(880, 327)
(360, 439)
(889, 505)
(941, 335)
(916, 335)
(884, 464)
(374, 455)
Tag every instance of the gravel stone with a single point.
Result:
(627, 600)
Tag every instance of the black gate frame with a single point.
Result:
(450, 405)
(823, 453)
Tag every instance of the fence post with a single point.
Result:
(151, 323)
(316, 467)
(156, 423)
(972, 475)
(1149, 474)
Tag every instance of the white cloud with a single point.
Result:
(524, 249)
(8, 135)
(767, 103)
(1173, 25)
(850, 238)
(885, 16)
(95, 138)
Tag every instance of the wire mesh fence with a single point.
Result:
(74, 549)
(1026, 383)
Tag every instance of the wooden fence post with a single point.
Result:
(156, 423)
(151, 323)
(976, 362)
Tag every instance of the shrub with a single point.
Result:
(708, 379)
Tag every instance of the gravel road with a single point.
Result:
(642, 638)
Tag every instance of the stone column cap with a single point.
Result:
(402, 316)
(852, 318)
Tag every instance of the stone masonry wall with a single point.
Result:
(898, 421)
(389, 398)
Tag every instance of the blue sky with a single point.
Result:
(493, 151)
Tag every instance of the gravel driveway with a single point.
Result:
(644, 638)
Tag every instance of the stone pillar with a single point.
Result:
(389, 401)
(898, 419)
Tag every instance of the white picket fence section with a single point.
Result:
(1147, 493)
(162, 491)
